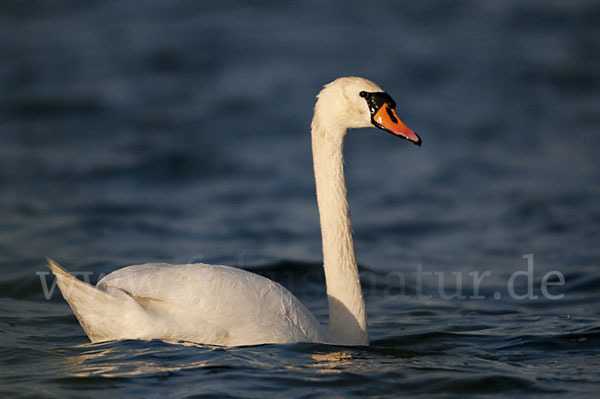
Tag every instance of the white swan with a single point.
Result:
(227, 306)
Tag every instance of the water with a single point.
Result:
(172, 132)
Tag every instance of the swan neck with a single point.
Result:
(347, 315)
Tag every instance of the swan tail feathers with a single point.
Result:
(67, 283)
(92, 306)
(108, 312)
(55, 267)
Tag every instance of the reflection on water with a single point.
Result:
(145, 358)
(333, 362)
(112, 359)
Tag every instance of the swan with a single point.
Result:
(227, 306)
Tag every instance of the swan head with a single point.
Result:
(353, 102)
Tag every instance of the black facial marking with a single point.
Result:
(377, 99)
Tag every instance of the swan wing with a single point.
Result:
(108, 313)
(200, 303)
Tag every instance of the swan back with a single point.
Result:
(208, 304)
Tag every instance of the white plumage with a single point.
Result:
(210, 304)
(223, 305)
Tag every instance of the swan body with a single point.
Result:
(208, 304)
(222, 305)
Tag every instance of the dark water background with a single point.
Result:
(133, 132)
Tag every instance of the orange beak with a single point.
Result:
(385, 118)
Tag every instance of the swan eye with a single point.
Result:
(363, 94)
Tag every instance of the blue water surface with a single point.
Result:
(135, 132)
